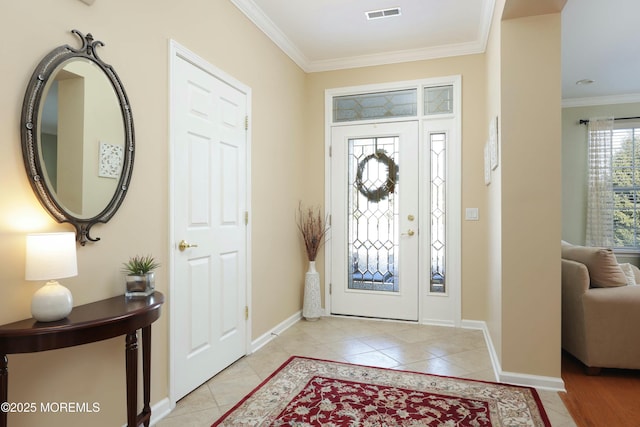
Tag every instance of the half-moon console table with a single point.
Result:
(89, 323)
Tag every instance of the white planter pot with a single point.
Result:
(311, 308)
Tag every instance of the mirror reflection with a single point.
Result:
(78, 142)
(82, 137)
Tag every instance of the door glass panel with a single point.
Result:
(381, 105)
(438, 211)
(373, 212)
(438, 100)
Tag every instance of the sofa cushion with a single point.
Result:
(602, 264)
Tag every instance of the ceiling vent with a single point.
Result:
(386, 13)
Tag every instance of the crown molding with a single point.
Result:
(264, 23)
(601, 100)
(395, 57)
(267, 26)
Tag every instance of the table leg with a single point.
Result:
(132, 379)
(146, 373)
(4, 387)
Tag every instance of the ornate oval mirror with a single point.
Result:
(77, 136)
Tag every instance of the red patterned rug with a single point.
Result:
(311, 392)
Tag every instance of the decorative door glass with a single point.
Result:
(438, 211)
(373, 210)
(381, 105)
(438, 100)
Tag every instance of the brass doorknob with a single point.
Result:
(409, 232)
(185, 245)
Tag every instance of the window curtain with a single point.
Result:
(600, 183)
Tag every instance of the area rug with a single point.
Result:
(313, 392)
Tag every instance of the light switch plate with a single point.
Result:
(471, 214)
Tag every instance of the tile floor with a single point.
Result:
(396, 345)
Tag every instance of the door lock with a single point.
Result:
(185, 245)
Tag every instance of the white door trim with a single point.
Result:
(178, 51)
(454, 187)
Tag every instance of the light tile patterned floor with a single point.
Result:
(396, 345)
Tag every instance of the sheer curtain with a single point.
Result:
(600, 183)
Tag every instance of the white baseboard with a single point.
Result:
(481, 325)
(516, 378)
(437, 322)
(537, 381)
(265, 338)
(158, 411)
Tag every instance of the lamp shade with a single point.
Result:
(51, 256)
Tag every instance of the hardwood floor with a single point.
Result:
(611, 399)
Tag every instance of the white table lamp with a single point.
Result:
(51, 256)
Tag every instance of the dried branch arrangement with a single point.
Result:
(313, 226)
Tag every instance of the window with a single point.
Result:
(625, 165)
(438, 100)
(369, 106)
(438, 143)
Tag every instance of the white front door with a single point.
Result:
(374, 220)
(209, 179)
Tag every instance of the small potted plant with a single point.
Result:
(141, 279)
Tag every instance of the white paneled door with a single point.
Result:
(209, 202)
(375, 219)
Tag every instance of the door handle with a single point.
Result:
(185, 245)
(409, 232)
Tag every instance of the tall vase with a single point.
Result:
(311, 309)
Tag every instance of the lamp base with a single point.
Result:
(51, 302)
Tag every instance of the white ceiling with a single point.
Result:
(600, 41)
(599, 37)
(324, 35)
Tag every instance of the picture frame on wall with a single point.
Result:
(487, 164)
(110, 158)
(493, 142)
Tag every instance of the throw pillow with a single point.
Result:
(628, 272)
(636, 273)
(603, 267)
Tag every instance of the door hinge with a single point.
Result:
(246, 217)
(330, 150)
(246, 122)
(246, 312)
(329, 219)
(330, 288)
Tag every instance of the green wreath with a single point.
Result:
(378, 193)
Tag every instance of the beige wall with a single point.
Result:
(531, 194)
(491, 195)
(136, 36)
(510, 279)
(522, 225)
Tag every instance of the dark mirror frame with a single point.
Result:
(29, 125)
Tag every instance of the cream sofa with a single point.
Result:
(600, 309)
